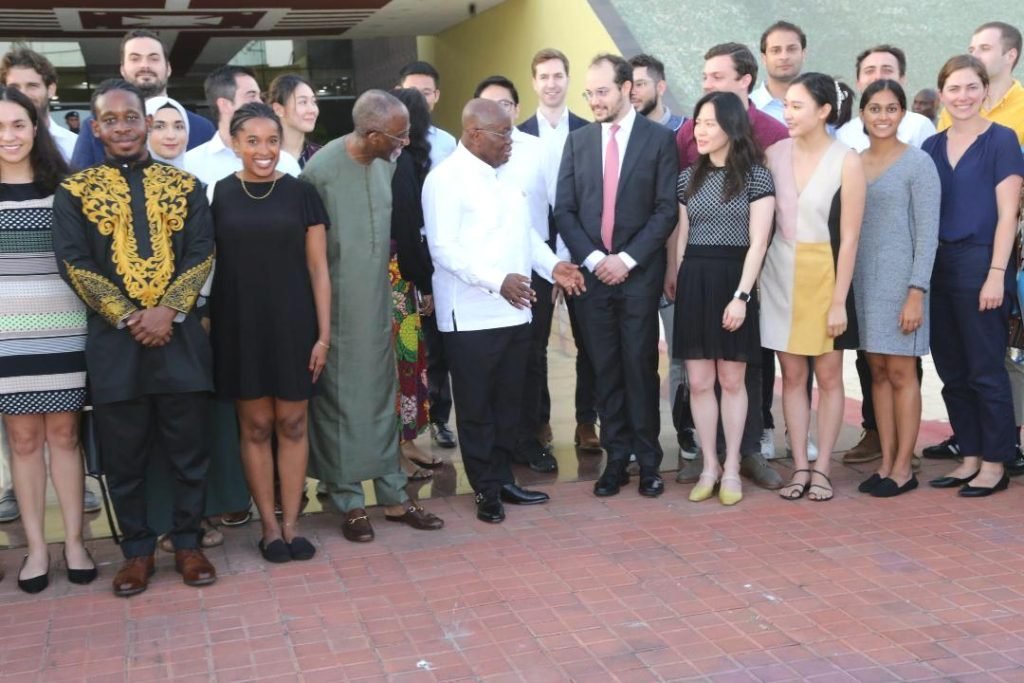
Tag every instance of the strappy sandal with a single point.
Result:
(787, 492)
(828, 490)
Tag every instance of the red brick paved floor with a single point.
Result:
(922, 587)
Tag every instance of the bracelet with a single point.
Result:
(997, 268)
(326, 346)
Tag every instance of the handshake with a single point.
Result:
(516, 290)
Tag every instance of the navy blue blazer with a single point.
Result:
(529, 126)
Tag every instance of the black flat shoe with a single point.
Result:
(969, 491)
(613, 478)
(36, 584)
(441, 435)
(868, 485)
(951, 482)
(276, 551)
(301, 549)
(489, 509)
(81, 576)
(651, 486)
(516, 495)
(888, 488)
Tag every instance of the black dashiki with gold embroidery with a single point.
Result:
(130, 236)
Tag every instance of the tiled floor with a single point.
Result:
(922, 587)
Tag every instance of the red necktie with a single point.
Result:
(611, 186)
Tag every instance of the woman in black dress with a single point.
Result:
(270, 318)
(726, 204)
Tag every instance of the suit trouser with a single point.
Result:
(438, 386)
(586, 392)
(621, 335)
(678, 386)
(389, 488)
(968, 346)
(536, 403)
(171, 426)
(487, 382)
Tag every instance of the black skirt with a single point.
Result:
(708, 277)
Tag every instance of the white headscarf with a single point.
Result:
(154, 104)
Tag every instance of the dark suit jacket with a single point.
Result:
(646, 209)
(530, 125)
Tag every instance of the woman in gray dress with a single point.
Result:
(899, 236)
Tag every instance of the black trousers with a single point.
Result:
(438, 385)
(621, 336)
(586, 392)
(487, 369)
(968, 346)
(171, 426)
(536, 403)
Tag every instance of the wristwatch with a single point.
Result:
(741, 295)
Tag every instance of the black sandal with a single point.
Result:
(795, 495)
(830, 490)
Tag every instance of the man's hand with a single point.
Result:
(427, 304)
(568, 277)
(152, 327)
(611, 270)
(516, 290)
(670, 284)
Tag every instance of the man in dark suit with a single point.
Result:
(616, 206)
(552, 124)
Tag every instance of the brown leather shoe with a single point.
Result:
(867, 449)
(418, 518)
(545, 435)
(356, 526)
(194, 568)
(133, 576)
(586, 437)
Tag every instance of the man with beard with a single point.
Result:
(143, 64)
(783, 51)
(615, 209)
(649, 90)
(134, 238)
(34, 75)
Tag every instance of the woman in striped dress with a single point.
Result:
(42, 344)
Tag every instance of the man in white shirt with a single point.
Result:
(483, 245)
(34, 75)
(552, 124)
(783, 51)
(884, 61)
(227, 88)
(424, 77)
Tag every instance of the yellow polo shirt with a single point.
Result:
(1008, 111)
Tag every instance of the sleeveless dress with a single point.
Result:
(799, 274)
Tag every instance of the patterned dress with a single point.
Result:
(42, 321)
(411, 354)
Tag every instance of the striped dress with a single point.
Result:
(42, 321)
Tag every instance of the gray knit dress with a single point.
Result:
(898, 239)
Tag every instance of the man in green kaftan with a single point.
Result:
(353, 420)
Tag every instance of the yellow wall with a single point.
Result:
(503, 40)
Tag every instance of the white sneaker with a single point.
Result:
(768, 444)
(91, 502)
(8, 506)
(812, 450)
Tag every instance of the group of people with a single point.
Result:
(337, 301)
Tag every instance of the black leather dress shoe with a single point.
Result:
(489, 509)
(969, 491)
(613, 478)
(536, 456)
(441, 435)
(1015, 467)
(514, 494)
(951, 482)
(651, 486)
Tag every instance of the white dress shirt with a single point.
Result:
(553, 139)
(622, 138)
(478, 228)
(442, 144)
(768, 103)
(213, 160)
(914, 130)
(527, 169)
(64, 138)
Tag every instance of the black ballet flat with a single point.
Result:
(951, 482)
(888, 488)
(969, 491)
(36, 584)
(81, 576)
(870, 483)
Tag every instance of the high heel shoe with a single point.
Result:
(727, 497)
(969, 491)
(35, 584)
(705, 487)
(951, 482)
(81, 576)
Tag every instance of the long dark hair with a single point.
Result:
(743, 154)
(48, 165)
(419, 124)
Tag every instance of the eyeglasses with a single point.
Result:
(507, 135)
(401, 137)
(507, 105)
(600, 92)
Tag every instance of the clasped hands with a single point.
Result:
(152, 327)
(611, 270)
(516, 290)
